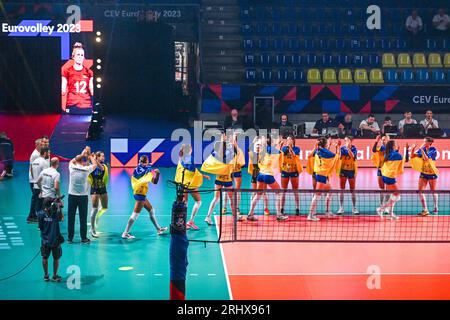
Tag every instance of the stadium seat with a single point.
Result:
(280, 59)
(446, 44)
(266, 75)
(324, 44)
(311, 59)
(358, 60)
(447, 60)
(298, 76)
(376, 76)
(329, 76)
(248, 44)
(423, 76)
(249, 59)
(263, 44)
(341, 44)
(326, 60)
(434, 60)
(250, 75)
(431, 44)
(385, 44)
(246, 29)
(369, 44)
(388, 60)
(355, 44)
(361, 76)
(292, 29)
(419, 60)
(265, 59)
(313, 76)
(345, 76)
(342, 60)
(307, 44)
(293, 44)
(296, 59)
(403, 60)
(262, 28)
(438, 76)
(407, 76)
(278, 44)
(277, 29)
(282, 75)
(398, 44)
(391, 76)
(374, 60)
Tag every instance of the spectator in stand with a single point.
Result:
(429, 122)
(387, 123)
(413, 27)
(441, 23)
(370, 124)
(323, 124)
(285, 121)
(234, 121)
(6, 156)
(346, 125)
(407, 120)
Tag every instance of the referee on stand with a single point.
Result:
(79, 170)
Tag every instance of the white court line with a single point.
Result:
(10, 224)
(5, 248)
(18, 244)
(211, 274)
(193, 274)
(158, 274)
(3, 244)
(10, 218)
(140, 274)
(343, 274)
(13, 232)
(11, 227)
(13, 238)
(224, 264)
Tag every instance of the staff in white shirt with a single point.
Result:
(414, 26)
(441, 23)
(49, 181)
(39, 164)
(407, 120)
(34, 155)
(78, 194)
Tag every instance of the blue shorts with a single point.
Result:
(139, 197)
(428, 176)
(379, 173)
(237, 174)
(265, 178)
(349, 174)
(321, 179)
(285, 174)
(389, 181)
(225, 184)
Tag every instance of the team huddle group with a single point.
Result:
(88, 175)
(330, 156)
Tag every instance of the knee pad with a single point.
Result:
(134, 216)
(198, 204)
(395, 198)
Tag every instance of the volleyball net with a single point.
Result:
(408, 223)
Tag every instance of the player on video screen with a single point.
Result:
(77, 81)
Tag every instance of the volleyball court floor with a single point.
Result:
(111, 268)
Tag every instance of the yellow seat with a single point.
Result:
(361, 76)
(419, 60)
(345, 76)
(388, 60)
(329, 76)
(376, 76)
(434, 60)
(313, 76)
(403, 60)
(447, 60)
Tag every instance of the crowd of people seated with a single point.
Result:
(343, 125)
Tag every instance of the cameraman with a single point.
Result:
(49, 218)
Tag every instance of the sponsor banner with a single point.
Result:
(126, 152)
(334, 99)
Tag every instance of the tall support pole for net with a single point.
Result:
(178, 247)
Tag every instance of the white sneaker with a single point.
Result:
(341, 210)
(282, 217)
(241, 217)
(329, 214)
(393, 217)
(380, 212)
(93, 234)
(355, 211)
(312, 217)
(435, 211)
(208, 221)
(161, 231)
(127, 236)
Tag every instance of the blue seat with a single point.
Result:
(266, 75)
(289, 15)
(292, 29)
(248, 44)
(325, 44)
(246, 29)
(251, 75)
(311, 59)
(385, 44)
(391, 76)
(423, 76)
(374, 60)
(446, 44)
(278, 44)
(245, 13)
(265, 59)
(431, 44)
(276, 14)
(277, 29)
(358, 60)
(280, 59)
(448, 76)
(262, 28)
(249, 59)
(407, 76)
(294, 44)
(342, 60)
(260, 14)
(296, 59)
(341, 44)
(438, 76)
(326, 60)
(282, 75)
(355, 44)
(263, 44)
(307, 44)
(369, 44)
(398, 44)
(352, 29)
(306, 29)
